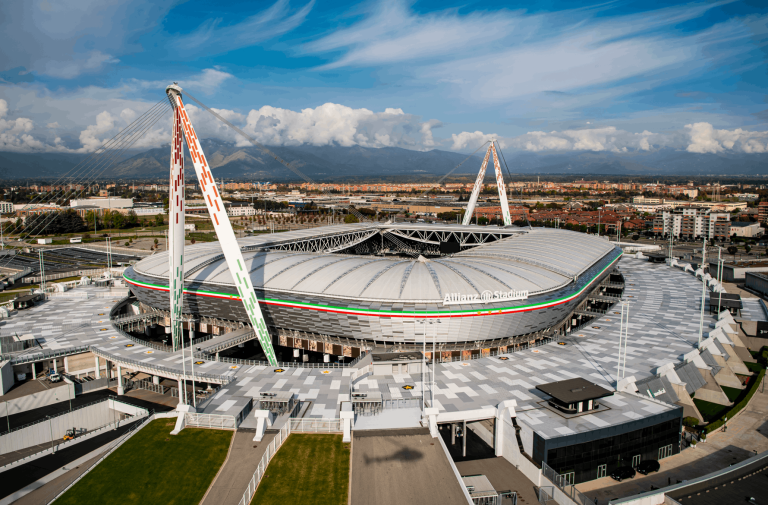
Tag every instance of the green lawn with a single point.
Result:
(308, 469)
(154, 467)
(754, 367)
(710, 411)
(733, 393)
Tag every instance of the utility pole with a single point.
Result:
(703, 288)
(719, 278)
(42, 271)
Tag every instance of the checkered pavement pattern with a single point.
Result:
(664, 317)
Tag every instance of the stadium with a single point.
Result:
(367, 285)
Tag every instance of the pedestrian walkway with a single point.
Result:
(244, 457)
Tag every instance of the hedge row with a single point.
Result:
(736, 408)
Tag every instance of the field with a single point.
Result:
(154, 467)
(308, 469)
(710, 411)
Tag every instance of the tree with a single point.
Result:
(155, 241)
(192, 240)
(635, 237)
(351, 218)
(747, 248)
(158, 220)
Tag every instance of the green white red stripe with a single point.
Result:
(383, 313)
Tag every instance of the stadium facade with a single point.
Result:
(372, 284)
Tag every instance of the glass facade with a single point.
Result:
(591, 455)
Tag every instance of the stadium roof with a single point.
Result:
(537, 260)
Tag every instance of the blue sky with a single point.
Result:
(552, 75)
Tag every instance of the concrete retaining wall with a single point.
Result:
(87, 418)
(41, 399)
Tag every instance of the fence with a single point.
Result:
(89, 272)
(51, 428)
(403, 403)
(262, 467)
(195, 420)
(315, 425)
(510, 349)
(324, 366)
(146, 385)
(45, 354)
(18, 275)
(563, 484)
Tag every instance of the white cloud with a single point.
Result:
(471, 140)
(53, 125)
(393, 34)
(72, 68)
(704, 138)
(215, 38)
(696, 138)
(332, 123)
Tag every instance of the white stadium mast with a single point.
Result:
(479, 186)
(223, 228)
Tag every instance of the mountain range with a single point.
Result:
(336, 162)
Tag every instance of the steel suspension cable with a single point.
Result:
(85, 166)
(105, 146)
(509, 174)
(108, 159)
(264, 149)
(453, 170)
(109, 152)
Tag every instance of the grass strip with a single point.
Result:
(309, 469)
(154, 467)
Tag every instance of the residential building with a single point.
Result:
(691, 224)
(762, 211)
(6, 207)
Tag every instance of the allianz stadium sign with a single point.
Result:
(484, 297)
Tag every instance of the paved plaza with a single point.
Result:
(664, 312)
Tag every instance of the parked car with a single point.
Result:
(625, 472)
(648, 466)
(54, 377)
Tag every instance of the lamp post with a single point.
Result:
(703, 288)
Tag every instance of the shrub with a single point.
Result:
(691, 422)
(737, 408)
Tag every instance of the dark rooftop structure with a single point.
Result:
(657, 257)
(574, 395)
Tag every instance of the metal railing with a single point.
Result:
(235, 361)
(146, 385)
(138, 365)
(196, 420)
(517, 348)
(318, 425)
(44, 355)
(272, 448)
(402, 403)
(564, 485)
